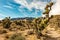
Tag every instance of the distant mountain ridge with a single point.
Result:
(27, 18)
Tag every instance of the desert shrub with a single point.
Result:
(3, 31)
(18, 23)
(0, 21)
(17, 37)
(30, 32)
(6, 23)
(28, 21)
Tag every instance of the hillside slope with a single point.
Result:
(52, 31)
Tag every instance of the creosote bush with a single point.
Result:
(3, 31)
(18, 23)
(17, 37)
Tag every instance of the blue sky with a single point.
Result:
(22, 8)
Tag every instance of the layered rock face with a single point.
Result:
(52, 31)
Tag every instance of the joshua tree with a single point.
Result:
(48, 8)
(50, 4)
(6, 22)
(47, 12)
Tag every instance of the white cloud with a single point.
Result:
(53, 0)
(55, 8)
(35, 4)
